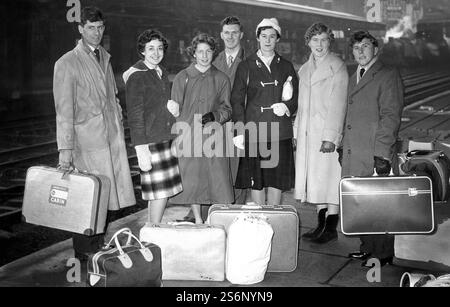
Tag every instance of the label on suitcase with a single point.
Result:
(72, 201)
(386, 205)
(284, 221)
(188, 251)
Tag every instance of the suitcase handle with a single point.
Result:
(130, 236)
(189, 224)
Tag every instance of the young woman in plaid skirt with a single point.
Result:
(150, 116)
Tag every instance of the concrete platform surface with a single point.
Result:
(318, 265)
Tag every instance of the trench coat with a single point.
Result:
(88, 120)
(373, 119)
(320, 117)
(206, 172)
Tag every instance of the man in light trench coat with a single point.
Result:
(89, 126)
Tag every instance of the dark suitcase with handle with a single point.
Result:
(386, 205)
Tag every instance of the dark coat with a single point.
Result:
(221, 64)
(146, 94)
(374, 109)
(254, 72)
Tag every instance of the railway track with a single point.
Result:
(20, 154)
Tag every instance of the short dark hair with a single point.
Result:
(146, 37)
(90, 13)
(202, 38)
(317, 29)
(358, 36)
(258, 32)
(232, 20)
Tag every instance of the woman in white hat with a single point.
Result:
(318, 129)
(258, 100)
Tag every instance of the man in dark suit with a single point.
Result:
(374, 108)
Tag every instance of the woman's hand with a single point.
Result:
(280, 109)
(173, 107)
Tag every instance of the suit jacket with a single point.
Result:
(221, 64)
(374, 109)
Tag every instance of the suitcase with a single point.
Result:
(73, 201)
(386, 205)
(285, 224)
(188, 251)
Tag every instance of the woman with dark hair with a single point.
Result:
(318, 129)
(150, 117)
(259, 100)
(203, 95)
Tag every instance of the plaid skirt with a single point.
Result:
(278, 171)
(164, 179)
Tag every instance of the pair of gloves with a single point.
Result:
(174, 109)
(381, 165)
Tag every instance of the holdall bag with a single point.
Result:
(431, 163)
(284, 221)
(69, 200)
(249, 244)
(386, 205)
(189, 251)
(129, 265)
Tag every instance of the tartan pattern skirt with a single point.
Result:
(281, 176)
(164, 179)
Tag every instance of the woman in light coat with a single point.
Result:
(318, 130)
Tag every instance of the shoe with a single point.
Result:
(314, 233)
(359, 256)
(329, 233)
(383, 262)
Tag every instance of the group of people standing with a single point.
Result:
(343, 126)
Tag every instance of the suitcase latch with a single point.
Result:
(412, 192)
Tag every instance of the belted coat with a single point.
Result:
(320, 117)
(88, 119)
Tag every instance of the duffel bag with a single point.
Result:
(431, 163)
(128, 265)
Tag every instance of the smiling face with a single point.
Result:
(153, 52)
(203, 55)
(364, 52)
(231, 36)
(320, 45)
(92, 32)
(267, 40)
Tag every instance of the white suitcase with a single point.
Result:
(72, 201)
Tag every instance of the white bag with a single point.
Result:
(249, 245)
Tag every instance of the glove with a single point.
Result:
(280, 109)
(144, 157)
(340, 152)
(207, 118)
(173, 107)
(327, 147)
(288, 90)
(65, 158)
(382, 166)
(238, 141)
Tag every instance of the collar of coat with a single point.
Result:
(255, 58)
(222, 56)
(138, 66)
(327, 68)
(81, 46)
(367, 78)
(194, 72)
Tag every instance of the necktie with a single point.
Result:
(361, 72)
(97, 54)
(230, 60)
(158, 71)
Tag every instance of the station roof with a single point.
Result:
(300, 8)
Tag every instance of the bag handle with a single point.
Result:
(189, 224)
(130, 236)
(375, 174)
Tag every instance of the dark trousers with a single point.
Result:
(380, 246)
(83, 244)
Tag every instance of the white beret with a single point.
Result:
(269, 22)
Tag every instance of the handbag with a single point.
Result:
(129, 265)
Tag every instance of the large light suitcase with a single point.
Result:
(188, 251)
(72, 201)
(386, 205)
(284, 221)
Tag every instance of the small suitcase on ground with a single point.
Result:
(284, 221)
(72, 201)
(188, 251)
(386, 205)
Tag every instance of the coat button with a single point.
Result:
(349, 127)
(349, 151)
(350, 102)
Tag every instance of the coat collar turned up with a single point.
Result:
(327, 68)
(367, 78)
